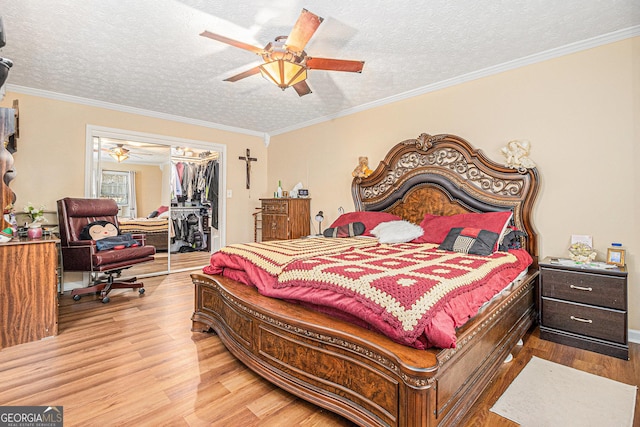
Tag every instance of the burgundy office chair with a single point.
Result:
(83, 255)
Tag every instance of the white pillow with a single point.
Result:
(397, 231)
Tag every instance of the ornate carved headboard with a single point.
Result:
(444, 175)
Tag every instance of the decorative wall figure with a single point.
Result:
(248, 159)
(516, 154)
(7, 173)
(362, 170)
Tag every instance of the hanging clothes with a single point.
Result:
(189, 230)
(212, 192)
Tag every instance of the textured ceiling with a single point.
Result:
(148, 54)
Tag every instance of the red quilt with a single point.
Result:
(414, 293)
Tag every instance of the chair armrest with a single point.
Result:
(80, 243)
(77, 256)
(142, 238)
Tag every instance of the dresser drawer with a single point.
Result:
(274, 227)
(587, 288)
(602, 323)
(275, 206)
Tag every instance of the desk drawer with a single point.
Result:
(596, 322)
(587, 288)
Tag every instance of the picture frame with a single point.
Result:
(615, 256)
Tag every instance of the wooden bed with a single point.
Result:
(358, 373)
(156, 230)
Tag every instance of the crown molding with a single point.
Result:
(126, 109)
(266, 136)
(485, 72)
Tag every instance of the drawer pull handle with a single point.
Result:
(579, 319)
(581, 288)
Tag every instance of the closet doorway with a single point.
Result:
(171, 189)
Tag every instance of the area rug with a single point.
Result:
(548, 394)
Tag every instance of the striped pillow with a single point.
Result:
(468, 240)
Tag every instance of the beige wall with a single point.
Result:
(581, 113)
(50, 161)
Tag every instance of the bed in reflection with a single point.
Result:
(404, 328)
(156, 230)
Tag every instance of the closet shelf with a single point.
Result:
(196, 159)
(185, 208)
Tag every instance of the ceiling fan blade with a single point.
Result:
(303, 30)
(334, 64)
(302, 88)
(248, 73)
(234, 43)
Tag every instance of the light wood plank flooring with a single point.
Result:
(160, 264)
(135, 362)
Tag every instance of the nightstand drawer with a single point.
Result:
(605, 324)
(587, 288)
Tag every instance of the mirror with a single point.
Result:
(138, 181)
(145, 174)
(195, 179)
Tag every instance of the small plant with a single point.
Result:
(36, 215)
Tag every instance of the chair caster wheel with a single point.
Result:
(105, 300)
(141, 291)
(76, 297)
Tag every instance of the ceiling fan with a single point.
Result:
(120, 153)
(285, 61)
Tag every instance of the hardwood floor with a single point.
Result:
(134, 361)
(160, 264)
(606, 366)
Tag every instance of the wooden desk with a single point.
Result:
(28, 290)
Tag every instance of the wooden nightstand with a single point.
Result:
(584, 307)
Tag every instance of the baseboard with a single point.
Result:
(634, 336)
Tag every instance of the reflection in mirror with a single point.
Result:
(194, 207)
(136, 175)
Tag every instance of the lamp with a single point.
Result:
(283, 73)
(320, 218)
(282, 67)
(119, 153)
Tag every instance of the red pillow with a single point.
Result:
(437, 227)
(368, 218)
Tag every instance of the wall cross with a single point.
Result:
(248, 159)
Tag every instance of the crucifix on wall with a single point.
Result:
(248, 159)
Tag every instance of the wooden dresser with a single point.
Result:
(285, 218)
(28, 290)
(584, 307)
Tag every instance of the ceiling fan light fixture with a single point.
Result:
(119, 153)
(285, 61)
(283, 73)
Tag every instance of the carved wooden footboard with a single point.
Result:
(354, 372)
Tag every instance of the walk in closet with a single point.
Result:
(194, 201)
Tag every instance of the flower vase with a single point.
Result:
(34, 231)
